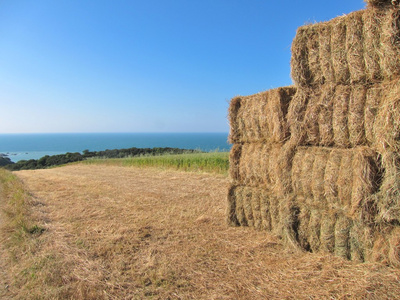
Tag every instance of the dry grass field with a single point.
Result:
(114, 232)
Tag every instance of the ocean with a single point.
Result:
(34, 146)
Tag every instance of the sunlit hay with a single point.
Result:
(372, 31)
(311, 118)
(306, 173)
(389, 194)
(277, 105)
(340, 116)
(235, 127)
(339, 51)
(289, 212)
(232, 208)
(372, 105)
(331, 176)
(327, 238)
(234, 162)
(238, 199)
(315, 230)
(283, 169)
(247, 207)
(300, 70)
(366, 175)
(255, 164)
(275, 204)
(243, 172)
(388, 118)
(380, 3)
(256, 207)
(265, 208)
(357, 242)
(325, 52)
(342, 236)
(345, 180)
(303, 229)
(252, 164)
(354, 46)
(326, 116)
(260, 117)
(317, 175)
(381, 246)
(394, 252)
(356, 115)
(391, 43)
(265, 170)
(297, 167)
(314, 60)
(296, 113)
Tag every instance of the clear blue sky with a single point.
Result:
(143, 66)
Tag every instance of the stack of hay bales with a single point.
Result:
(318, 163)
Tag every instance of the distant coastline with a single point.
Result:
(35, 146)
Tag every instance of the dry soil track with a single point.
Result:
(130, 233)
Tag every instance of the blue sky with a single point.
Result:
(143, 66)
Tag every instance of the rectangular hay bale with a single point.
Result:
(260, 117)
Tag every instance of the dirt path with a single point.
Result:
(128, 233)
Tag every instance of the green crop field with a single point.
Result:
(212, 162)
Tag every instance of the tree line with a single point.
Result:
(61, 159)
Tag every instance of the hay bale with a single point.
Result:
(394, 250)
(388, 118)
(372, 105)
(325, 32)
(247, 196)
(389, 193)
(325, 120)
(327, 236)
(283, 169)
(260, 117)
(232, 207)
(317, 175)
(236, 209)
(345, 178)
(372, 31)
(391, 43)
(303, 228)
(339, 50)
(354, 46)
(265, 211)
(340, 120)
(259, 164)
(300, 70)
(380, 3)
(256, 208)
(313, 56)
(356, 115)
(338, 179)
(315, 230)
(307, 166)
(311, 118)
(357, 238)
(342, 236)
(331, 186)
(234, 162)
(296, 114)
(366, 168)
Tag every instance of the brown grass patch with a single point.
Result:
(120, 233)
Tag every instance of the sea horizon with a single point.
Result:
(25, 146)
